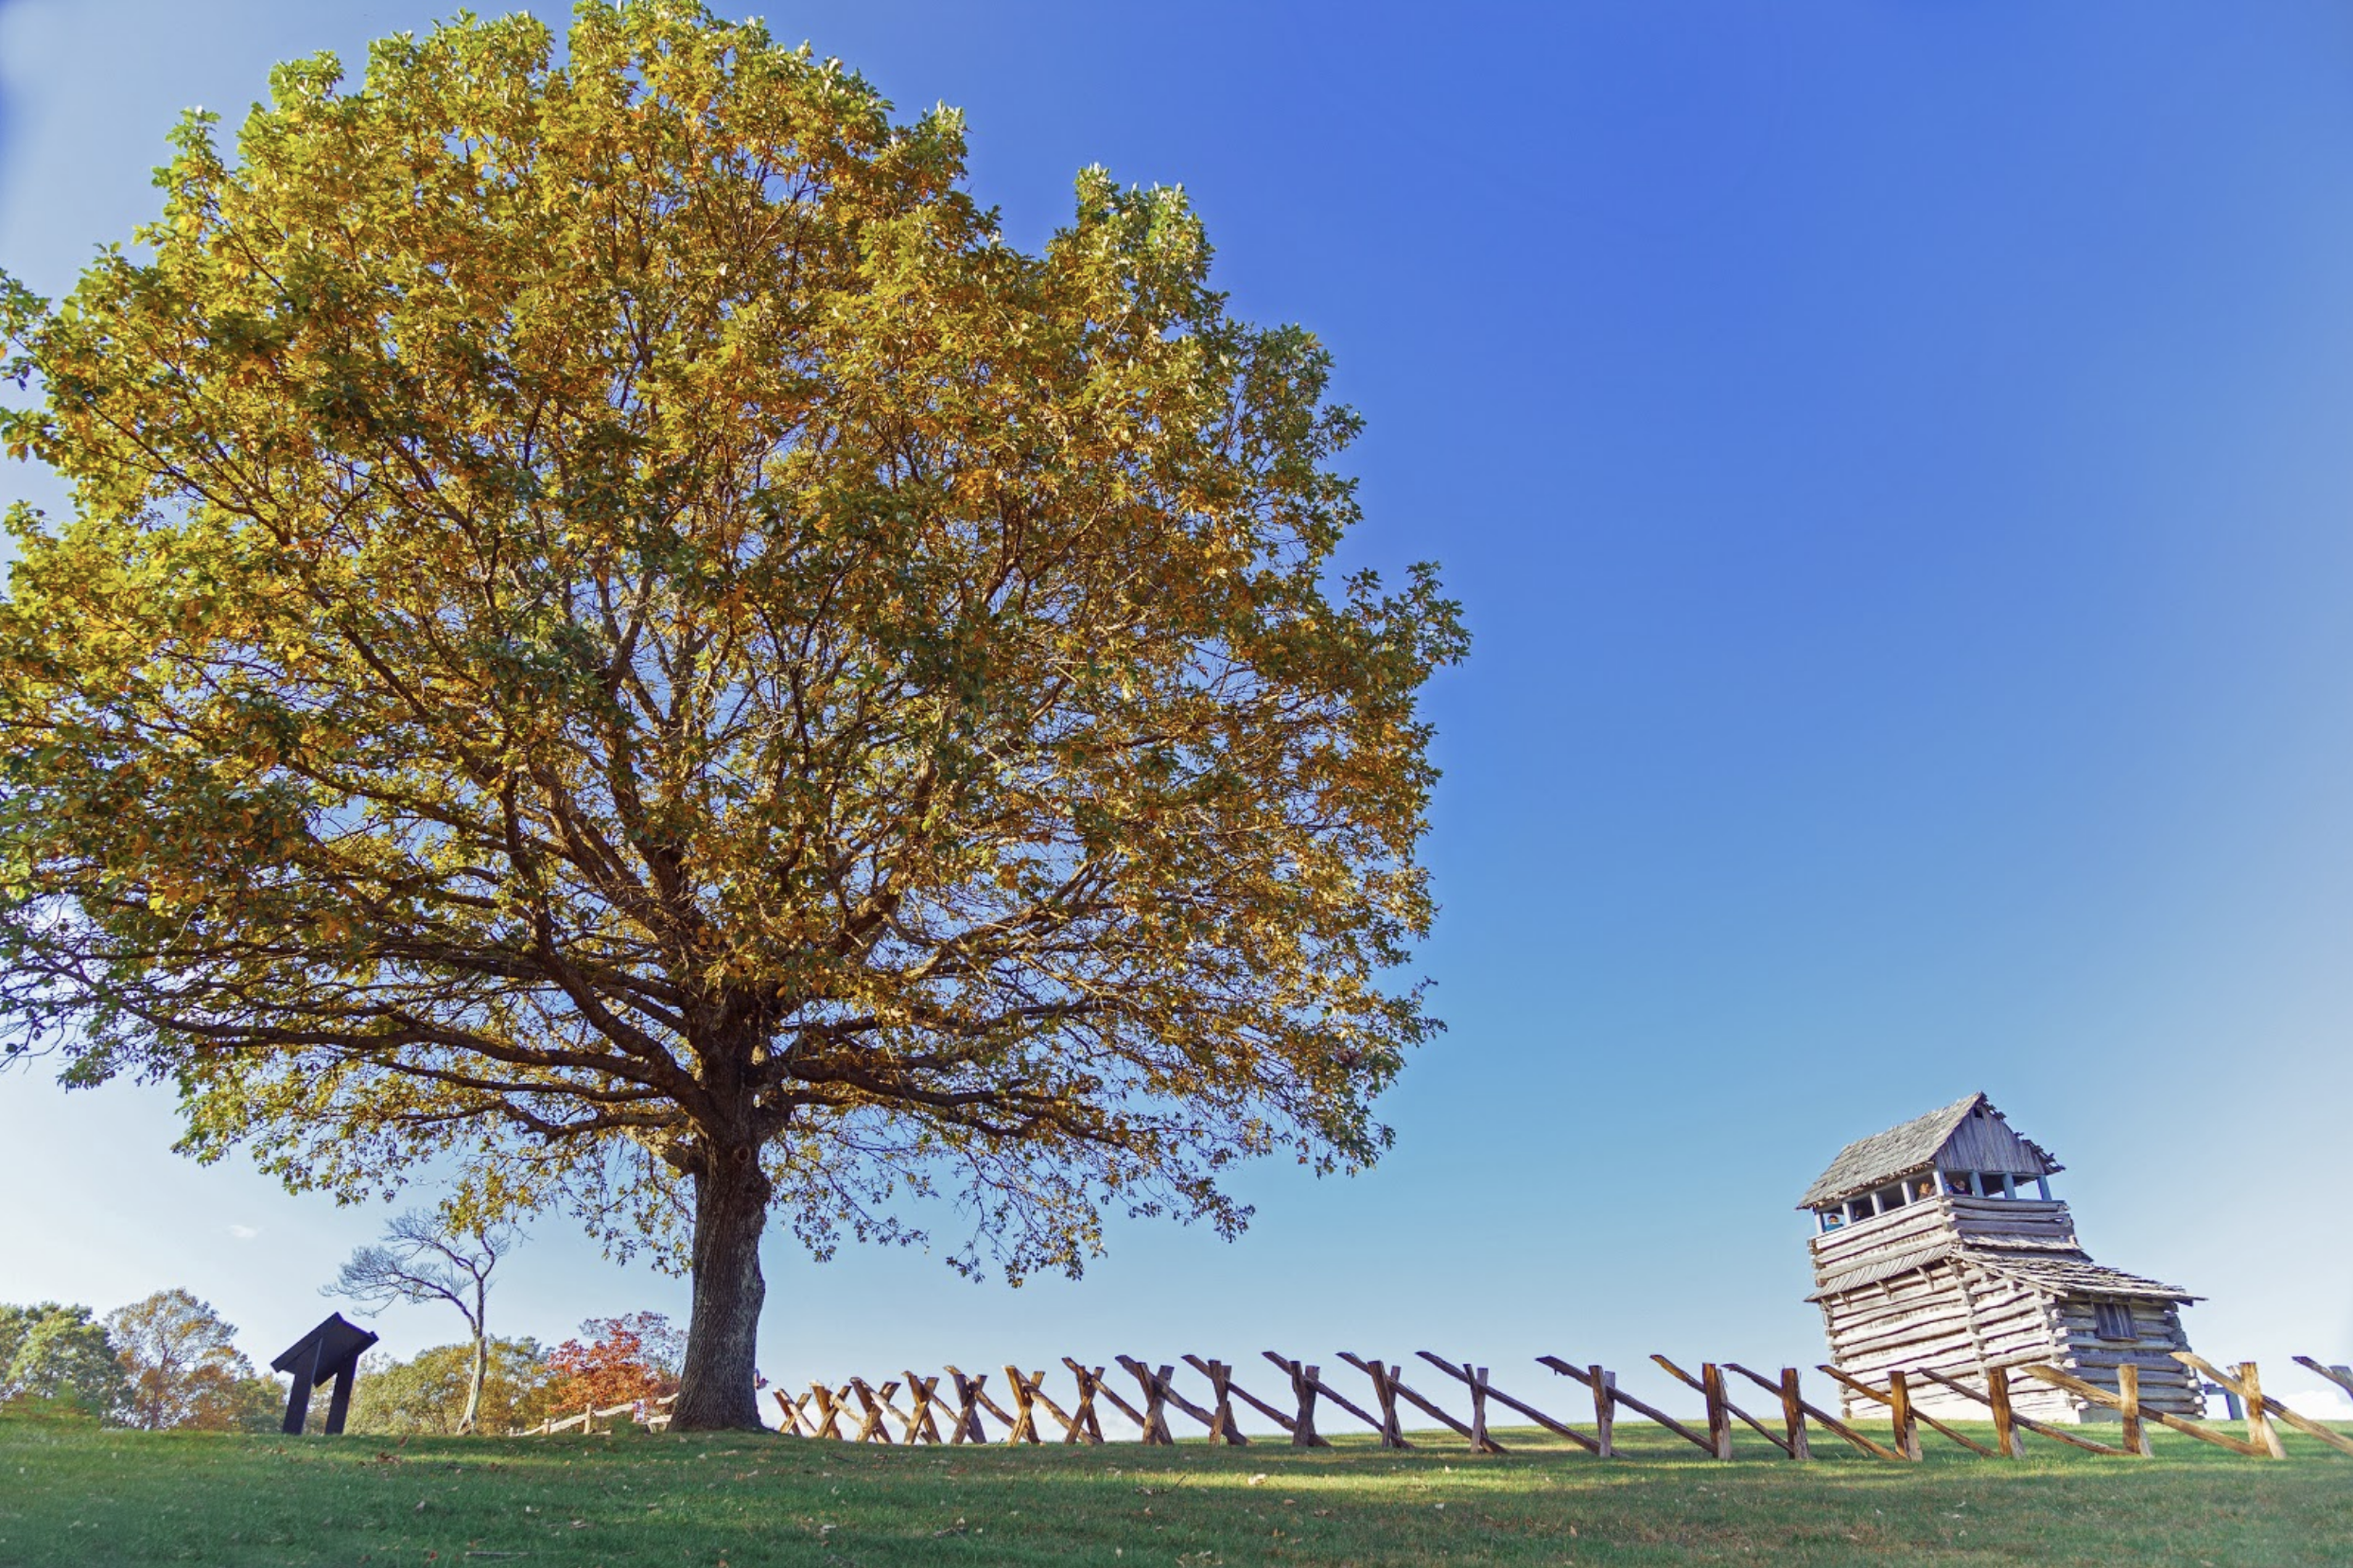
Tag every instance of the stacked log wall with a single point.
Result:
(1913, 1223)
(1924, 1220)
(1936, 1318)
(1946, 1315)
(2018, 1219)
(2165, 1384)
(1954, 1315)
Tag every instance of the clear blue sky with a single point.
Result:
(1896, 462)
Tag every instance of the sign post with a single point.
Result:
(330, 1350)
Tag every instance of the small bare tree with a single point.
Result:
(423, 1259)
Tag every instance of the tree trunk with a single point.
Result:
(715, 1388)
(473, 1415)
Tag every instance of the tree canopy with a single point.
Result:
(184, 1371)
(433, 1391)
(60, 1355)
(615, 632)
(633, 1357)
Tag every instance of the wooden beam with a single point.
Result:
(1080, 1425)
(906, 1422)
(1091, 1379)
(2051, 1432)
(1156, 1397)
(830, 1409)
(1603, 1386)
(1155, 1431)
(2097, 1395)
(1241, 1393)
(1699, 1384)
(1026, 1402)
(1793, 1418)
(1385, 1395)
(1718, 1409)
(2258, 1410)
(1620, 1395)
(1388, 1374)
(1479, 1439)
(2101, 1395)
(2006, 1437)
(982, 1397)
(967, 1428)
(1222, 1427)
(1165, 1377)
(1032, 1387)
(1462, 1374)
(1900, 1415)
(1304, 1387)
(871, 1430)
(920, 1425)
(1919, 1415)
(2334, 1374)
(1325, 1391)
(1828, 1420)
(2128, 1406)
(2271, 1407)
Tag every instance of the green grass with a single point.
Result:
(76, 1494)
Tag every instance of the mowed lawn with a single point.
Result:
(77, 1494)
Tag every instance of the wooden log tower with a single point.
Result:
(1937, 1246)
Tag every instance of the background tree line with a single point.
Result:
(169, 1363)
(616, 1361)
(164, 1363)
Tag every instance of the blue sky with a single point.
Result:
(1894, 462)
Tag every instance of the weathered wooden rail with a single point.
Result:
(857, 1411)
(656, 1417)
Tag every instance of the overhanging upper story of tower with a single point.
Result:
(1966, 1147)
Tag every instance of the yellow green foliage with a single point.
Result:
(614, 630)
(56, 1361)
(427, 1393)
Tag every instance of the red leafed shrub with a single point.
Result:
(621, 1359)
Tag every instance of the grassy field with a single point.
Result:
(77, 1494)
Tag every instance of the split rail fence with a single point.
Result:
(862, 1412)
(654, 1415)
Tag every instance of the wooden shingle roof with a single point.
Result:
(1872, 1162)
(2073, 1275)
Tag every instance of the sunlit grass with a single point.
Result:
(76, 1494)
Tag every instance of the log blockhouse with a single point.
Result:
(1938, 1245)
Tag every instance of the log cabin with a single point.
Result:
(1938, 1245)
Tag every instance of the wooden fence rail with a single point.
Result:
(1482, 1390)
(861, 1412)
(2258, 1404)
(656, 1417)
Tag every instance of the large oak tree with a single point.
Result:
(614, 633)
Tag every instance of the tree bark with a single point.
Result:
(715, 1388)
(473, 1415)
